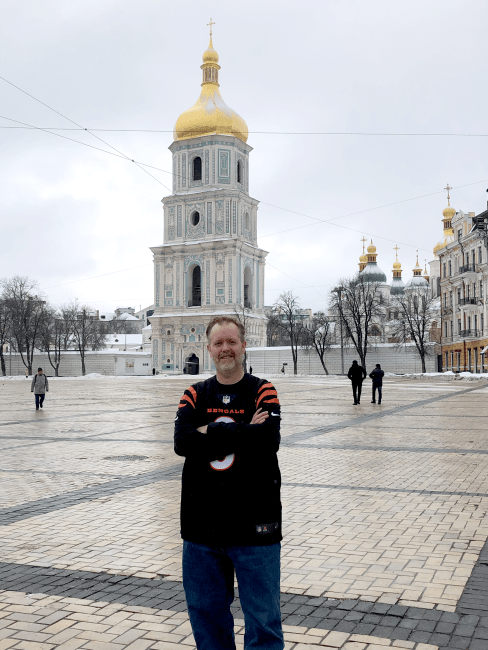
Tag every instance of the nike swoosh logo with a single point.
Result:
(276, 414)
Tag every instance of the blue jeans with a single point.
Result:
(39, 400)
(377, 388)
(208, 580)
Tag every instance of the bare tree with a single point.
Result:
(274, 331)
(417, 309)
(87, 331)
(55, 335)
(358, 303)
(288, 308)
(4, 332)
(318, 337)
(27, 312)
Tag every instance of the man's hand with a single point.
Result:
(260, 416)
(202, 429)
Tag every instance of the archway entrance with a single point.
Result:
(192, 365)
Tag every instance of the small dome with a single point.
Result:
(397, 265)
(373, 273)
(448, 212)
(417, 281)
(210, 55)
(363, 259)
(371, 248)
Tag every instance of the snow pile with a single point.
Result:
(448, 375)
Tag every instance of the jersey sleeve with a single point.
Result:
(267, 397)
(189, 442)
(263, 437)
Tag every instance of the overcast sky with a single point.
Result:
(70, 213)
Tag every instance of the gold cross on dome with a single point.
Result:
(210, 25)
(363, 240)
(396, 249)
(448, 197)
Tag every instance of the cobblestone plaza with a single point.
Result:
(384, 516)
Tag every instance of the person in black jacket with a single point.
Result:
(356, 374)
(377, 376)
(228, 430)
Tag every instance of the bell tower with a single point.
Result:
(209, 263)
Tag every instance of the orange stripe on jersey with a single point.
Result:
(275, 400)
(268, 385)
(186, 398)
(194, 393)
(267, 393)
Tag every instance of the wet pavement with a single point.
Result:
(384, 516)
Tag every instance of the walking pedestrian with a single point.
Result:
(39, 387)
(283, 369)
(27, 373)
(250, 370)
(377, 376)
(356, 374)
(228, 430)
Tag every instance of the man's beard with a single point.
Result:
(229, 362)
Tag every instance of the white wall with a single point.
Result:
(392, 359)
(102, 363)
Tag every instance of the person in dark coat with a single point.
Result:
(356, 374)
(39, 387)
(377, 376)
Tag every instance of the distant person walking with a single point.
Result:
(250, 370)
(283, 369)
(27, 373)
(39, 387)
(377, 376)
(356, 374)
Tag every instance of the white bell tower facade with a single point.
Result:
(209, 263)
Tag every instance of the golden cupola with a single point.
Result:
(447, 216)
(210, 114)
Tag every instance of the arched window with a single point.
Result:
(247, 288)
(239, 171)
(168, 332)
(195, 218)
(197, 168)
(194, 286)
(374, 330)
(246, 222)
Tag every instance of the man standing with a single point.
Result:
(356, 374)
(377, 376)
(228, 430)
(39, 387)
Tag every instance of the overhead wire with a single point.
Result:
(107, 144)
(365, 133)
(318, 219)
(142, 165)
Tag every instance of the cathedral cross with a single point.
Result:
(210, 25)
(363, 240)
(396, 249)
(446, 188)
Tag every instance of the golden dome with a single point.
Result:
(371, 248)
(210, 55)
(397, 265)
(363, 259)
(448, 212)
(210, 114)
